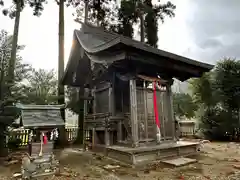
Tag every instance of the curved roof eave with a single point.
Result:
(116, 39)
(97, 48)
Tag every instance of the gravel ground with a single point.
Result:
(218, 161)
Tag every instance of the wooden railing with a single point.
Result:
(187, 129)
(23, 134)
(71, 133)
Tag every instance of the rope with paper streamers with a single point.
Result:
(44, 139)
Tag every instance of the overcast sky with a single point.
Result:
(205, 30)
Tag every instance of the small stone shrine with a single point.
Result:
(43, 122)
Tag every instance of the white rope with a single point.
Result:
(54, 134)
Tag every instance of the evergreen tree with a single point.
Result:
(41, 87)
(8, 112)
(217, 95)
(130, 12)
(183, 105)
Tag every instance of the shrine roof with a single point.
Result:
(40, 116)
(95, 40)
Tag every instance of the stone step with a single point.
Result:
(180, 161)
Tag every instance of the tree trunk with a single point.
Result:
(2, 83)
(10, 77)
(86, 11)
(238, 124)
(11, 67)
(61, 99)
(61, 52)
(142, 26)
(3, 147)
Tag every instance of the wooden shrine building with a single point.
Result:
(118, 74)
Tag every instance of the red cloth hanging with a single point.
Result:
(155, 105)
(45, 139)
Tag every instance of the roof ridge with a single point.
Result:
(99, 28)
(129, 41)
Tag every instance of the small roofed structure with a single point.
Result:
(187, 128)
(128, 108)
(43, 122)
(40, 116)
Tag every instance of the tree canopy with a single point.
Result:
(183, 105)
(41, 87)
(217, 95)
(21, 72)
(37, 6)
(130, 12)
(121, 20)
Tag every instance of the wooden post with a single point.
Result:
(170, 114)
(94, 100)
(86, 12)
(85, 110)
(119, 131)
(163, 115)
(94, 138)
(133, 109)
(107, 133)
(145, 109)
(110, 100)
(113, 94)
(84, 116)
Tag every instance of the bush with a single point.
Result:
(218, 124)
(14, 144)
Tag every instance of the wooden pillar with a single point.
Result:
(107, 133)
(110, 100)
(119, 131)
(85, 109)
(113, 94)
(145, 109)
(94, 100)
(110, 106)
(133, 111)
(170, 113)
(86, 93)
(163, 115)
(94, 138)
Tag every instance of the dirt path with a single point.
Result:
(218, 161)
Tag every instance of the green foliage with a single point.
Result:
(227, 83)
(7, 110)
(202, 90)
(14, 144)
(217, 93)
(216, 123)
(101, 12)
(41, 87)
(154, 13)
(73, 101)
(121, 20)
(129, 14)
(37, 6)
(183, 105)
